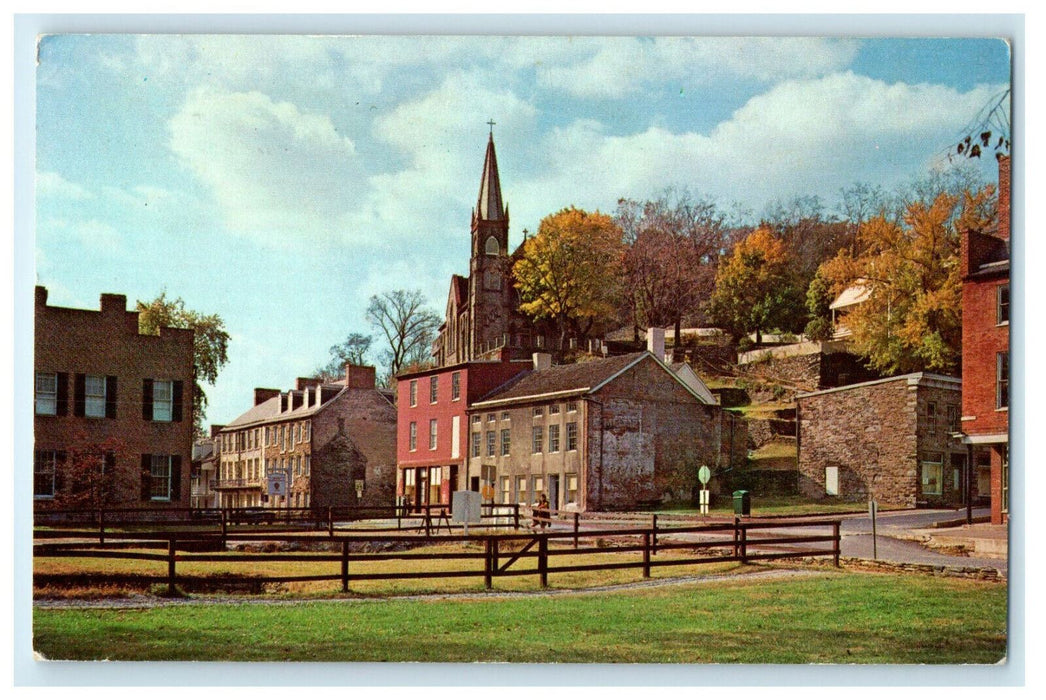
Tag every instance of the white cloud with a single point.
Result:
(273, 168)
(51, 184)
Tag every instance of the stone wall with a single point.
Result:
(876, 435)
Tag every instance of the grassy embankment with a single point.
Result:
(832, 617)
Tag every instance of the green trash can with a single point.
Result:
(742, 503)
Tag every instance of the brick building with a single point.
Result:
(985, 267)
(482, 313)
(890, 439)
(604, 434)
(433, 428)
(329, 438)
(101, 386)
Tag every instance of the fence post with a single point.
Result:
(101, 526)
(428, 523)
(225, 526)
(744, 545)
(170, 567)
(836, 543)
(655, 534)
(330, 521)
(344, 566)
(646, 555)
(488, 564)
(577, 517)
(543, 559)
(737, 537)
(515, 515)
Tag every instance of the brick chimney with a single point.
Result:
(359, 376)
(655, 342)
(263, 395)
(302, 383)
(542, 360)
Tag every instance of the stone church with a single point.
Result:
(482, 317)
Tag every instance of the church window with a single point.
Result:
(492, 247)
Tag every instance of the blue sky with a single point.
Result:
(281, 181)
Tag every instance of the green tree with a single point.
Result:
(571, 271)
(912, 319)
(755, 290)
(353, 349)
(210, 343)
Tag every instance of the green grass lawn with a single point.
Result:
(833, 617)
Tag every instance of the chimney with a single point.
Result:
(655, 342)
(297, 399)
(283, 402)
(215, 429)
(1004, 197)
(542, 360)
(359, 376)
(302, 383)
(41, 296)
(263, 395)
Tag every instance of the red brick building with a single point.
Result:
(336, 442)
(985, 261)
(605, 434)
(432, 428)
(102, 387)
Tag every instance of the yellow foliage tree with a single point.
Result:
(571, 271)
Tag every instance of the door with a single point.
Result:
(553, 491)
(421, 495)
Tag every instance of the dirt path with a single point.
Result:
(132, 602)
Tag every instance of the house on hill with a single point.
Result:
(605, 434)
(335, 442)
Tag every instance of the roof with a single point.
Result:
(269, 410)
(489, 207)
(913, 379)
(578, 377)
(851, 296)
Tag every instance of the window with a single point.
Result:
(571, 488)
(435, 484)
(432, 434)
(475, 444)
(308, 464)
(1005, 485)
(521, 489)
(571, 406)
(491, 247)
(413, 392)
(476, 419)
(553, 409)
(491, 443)
(1002, 304)
(45, 469)
(539, 486)
(538, 411)
(455, 386)
(95, 396)
(506, 489)
(932, 474)
(505, 441)
(553, 438)
(160, 478)
(505, 415)
(953, 418)
(433, 389)
(571, 436)
(537, 438)
(1002, 380)
(163, 397)
(413, 439)
(931, 416)
(491, 417)
(47, 393)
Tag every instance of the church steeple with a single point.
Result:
(490, 207)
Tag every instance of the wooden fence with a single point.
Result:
(502, 555)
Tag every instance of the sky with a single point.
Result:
(280, 181)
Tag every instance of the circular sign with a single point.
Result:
(704, 474)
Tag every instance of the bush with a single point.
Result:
(819, 329)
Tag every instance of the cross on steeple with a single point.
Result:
(491, 122)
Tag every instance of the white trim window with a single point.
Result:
(1002, 304)
(537, 437)
(413, 439)
(571, 436)
(94, 396)
(491, 443)
(1002, 380)
(434, 388)
(45, 470)
(572, 482)
(47, 393)
(432, 433)
(932, 466)
(553, 438)
(413, 392)
(160, 473)
(163, 400)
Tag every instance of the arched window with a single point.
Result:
(492, 247)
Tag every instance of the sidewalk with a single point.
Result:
(978, 539)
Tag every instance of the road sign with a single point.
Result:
(704, 474)
(277, 483)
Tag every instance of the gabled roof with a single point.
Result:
(489, 207)
(270, 410)
(856, 293)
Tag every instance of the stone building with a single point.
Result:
(605, 434)
(985, 266)
(204, 476)
(893, 440)
(101, 386)
(482, 313)
(336, 442)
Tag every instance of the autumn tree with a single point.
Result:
(912, 318)
(571, 271)
(755, 289)
(210, 343)
(673, 244)
(353, 349)
(409, 328)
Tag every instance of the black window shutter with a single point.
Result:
(176, 394)
(147, 399)
(63, 394)
(176, 477)
(110, 397)
(147, 475)
(78, 395)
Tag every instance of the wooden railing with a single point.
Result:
(503, 554)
